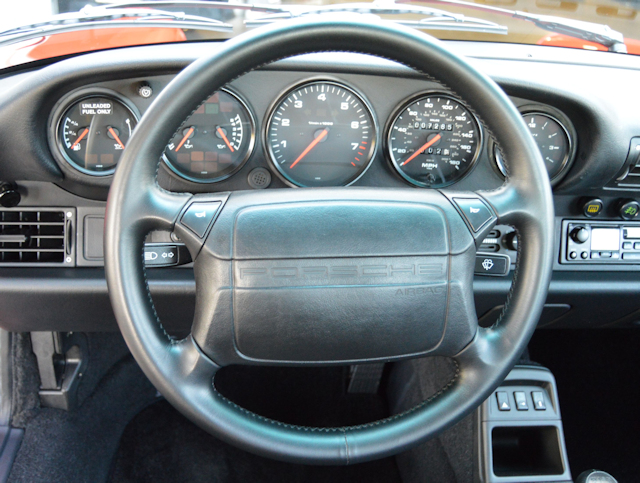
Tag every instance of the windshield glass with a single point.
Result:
(42, 29)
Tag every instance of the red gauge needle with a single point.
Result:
(433, 140)
(320, 137)
(184, 139)
(81, 137)
(115, 136)
(224, 138)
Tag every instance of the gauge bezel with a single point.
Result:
(55, 124)
(394, 117)
(315, 80)
(566, 126)
(250, 150)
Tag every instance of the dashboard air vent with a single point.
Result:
(630, 177)
(36, 236)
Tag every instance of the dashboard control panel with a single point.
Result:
(600, 242)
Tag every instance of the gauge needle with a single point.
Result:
(81, 137)
(184, 139)
(310, 147)
(434, 140)
(224, 138)
(115, 136)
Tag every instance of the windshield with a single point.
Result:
(41, 29)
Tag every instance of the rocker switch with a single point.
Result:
(521, 401)
(538, 401)
(503, 401)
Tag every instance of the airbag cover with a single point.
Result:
(339, 281)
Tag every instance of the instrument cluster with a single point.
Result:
(319, 132)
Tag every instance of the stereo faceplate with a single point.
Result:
(601, 242)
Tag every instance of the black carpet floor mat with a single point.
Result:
(160, 445)
(597, 375)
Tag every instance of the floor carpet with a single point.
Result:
(597, 375)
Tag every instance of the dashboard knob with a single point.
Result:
(628, 209)
(580, 234)
(9, 195)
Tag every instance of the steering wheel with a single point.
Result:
(329, 275)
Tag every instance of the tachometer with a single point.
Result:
(433, 140)
(93, 131)
(215, 141)
(321, 134)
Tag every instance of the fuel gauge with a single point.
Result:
(93, 132)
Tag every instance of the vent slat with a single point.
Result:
(36, 236)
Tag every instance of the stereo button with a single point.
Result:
(631, 256)
(636, 246)
(627, 245)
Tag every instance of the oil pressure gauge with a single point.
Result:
(93, 131)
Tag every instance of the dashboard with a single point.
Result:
(316, 120)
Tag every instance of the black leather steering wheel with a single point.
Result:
(262, 298)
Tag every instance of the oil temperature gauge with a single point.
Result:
(93, 132)
(215, 141)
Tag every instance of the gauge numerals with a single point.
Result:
(433, 140)
(320, 134)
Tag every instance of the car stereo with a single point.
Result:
(600, 242)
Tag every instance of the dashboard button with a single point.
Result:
(496, 265)
(475, 212)
(198, 216)
(592, 207)
(628, 209)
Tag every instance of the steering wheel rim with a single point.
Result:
(183, 373)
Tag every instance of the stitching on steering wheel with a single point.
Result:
(153, 307)
(344, 429)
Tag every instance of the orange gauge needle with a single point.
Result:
(224, 138)
(433, 140)
(184, 139)
(81, 137)
(320, 137)
(115, 136)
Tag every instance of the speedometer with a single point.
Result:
(321, 134)
(433, 140)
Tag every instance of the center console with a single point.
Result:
(520, 437)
